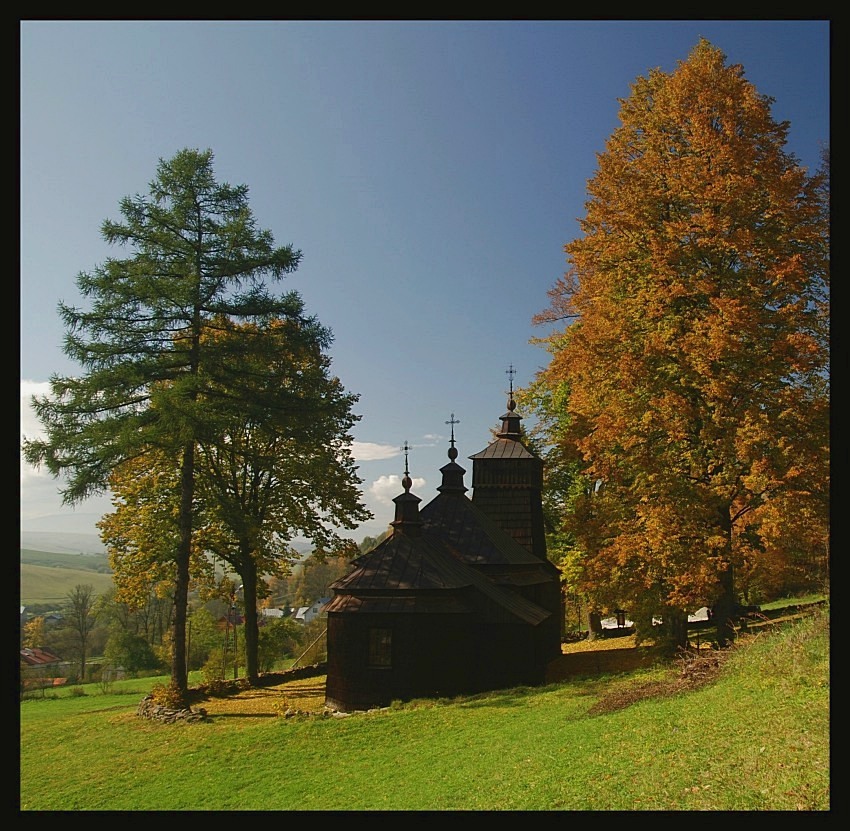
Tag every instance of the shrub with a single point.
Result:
(131, 651)
(213, 667)
(278, 639)
(167, 695)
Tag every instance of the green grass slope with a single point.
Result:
(754, 736)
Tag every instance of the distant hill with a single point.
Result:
(75, 562)
(62, 542)
(52, 564)
(70, 543)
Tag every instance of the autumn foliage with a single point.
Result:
(688, 385)
(272, 462)
(141, 534)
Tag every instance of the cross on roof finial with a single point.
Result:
(510, 372)
(406, 482)
(453, 421)
(452, 448)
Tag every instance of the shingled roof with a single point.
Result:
(421, 568)
(453, 519)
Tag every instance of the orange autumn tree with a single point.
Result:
(689, 351)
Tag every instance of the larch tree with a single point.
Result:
(689, 348)
(195, 252)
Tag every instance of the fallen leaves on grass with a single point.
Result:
(696, 670)
(304, 695)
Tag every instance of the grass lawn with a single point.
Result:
(749, 733)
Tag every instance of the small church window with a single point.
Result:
(380, 647)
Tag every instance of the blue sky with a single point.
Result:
(431, 173)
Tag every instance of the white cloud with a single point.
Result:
(31, 428)
(41, 507)
(30, 425)
(368, 451)
(385, 488)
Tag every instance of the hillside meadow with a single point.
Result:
(47, 577)
(742, 730)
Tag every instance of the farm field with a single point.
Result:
(47, 577)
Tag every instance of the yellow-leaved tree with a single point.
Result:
(141, 535)
(271, 462)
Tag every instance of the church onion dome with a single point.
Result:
(407, 518)
(508, 442)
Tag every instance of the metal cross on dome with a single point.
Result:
(453, 421)
(510, 372)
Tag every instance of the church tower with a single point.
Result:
(507, 483)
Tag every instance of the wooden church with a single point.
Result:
(460, 598)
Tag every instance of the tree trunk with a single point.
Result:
(678, 631)
(672, 634)
(252, 630)
(723, 611)
(179, 673)
(594, 626)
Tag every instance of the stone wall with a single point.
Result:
(149, 709)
